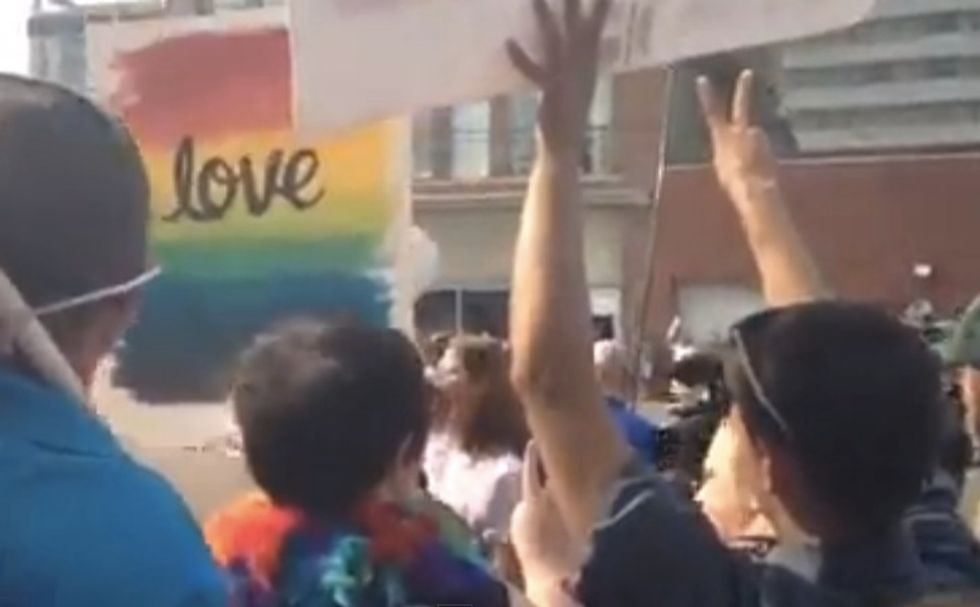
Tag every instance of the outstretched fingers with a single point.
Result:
(528, 67)
(550, 30)
(576, 30)
(742, 103)
(600, 14)
(573, 15)
(715, 114)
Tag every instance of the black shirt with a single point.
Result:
(656, 548)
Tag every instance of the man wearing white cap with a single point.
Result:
(612, 374)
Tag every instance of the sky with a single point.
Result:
(13, 35)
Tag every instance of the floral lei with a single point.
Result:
(387, 556)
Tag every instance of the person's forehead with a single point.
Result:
(451, 359)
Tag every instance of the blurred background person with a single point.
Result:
(474, 464)
(612, 374)
(963, 353)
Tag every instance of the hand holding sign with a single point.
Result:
(566, 74)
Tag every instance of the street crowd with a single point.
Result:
(470, 470)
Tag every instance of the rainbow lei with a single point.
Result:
(386, 556)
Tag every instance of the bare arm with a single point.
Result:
(746, 170)
(550, 312)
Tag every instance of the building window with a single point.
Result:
(596, 160)
(463, 311)
(496, 138)
(598, 152)
(58, 49)
(422, 153)
(471, 141)
(232, 4)
(524, 118)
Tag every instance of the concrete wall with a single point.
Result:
(476, 245)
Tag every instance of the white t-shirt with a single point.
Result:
(483, 491)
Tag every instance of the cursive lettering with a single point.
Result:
(208, 193)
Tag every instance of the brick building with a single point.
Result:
(889, 230)
(880, 169)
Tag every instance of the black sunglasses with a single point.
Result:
(742, 333)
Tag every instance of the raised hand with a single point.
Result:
(546, 548)
(550, 321)
(746, 170)
(566, 73)
(743, 158)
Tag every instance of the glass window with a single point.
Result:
(471, 140)
(226, 4)
(473, 312)
(524, 111)
(422, 142)
(598, 153)
(524, 118)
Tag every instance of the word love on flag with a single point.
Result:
(207, 191)
(255, 220)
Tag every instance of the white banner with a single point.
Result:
(359, 60)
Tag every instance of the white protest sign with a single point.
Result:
(358, 60)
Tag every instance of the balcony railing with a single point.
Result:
(473, 154)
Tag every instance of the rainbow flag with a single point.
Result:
(252, 223)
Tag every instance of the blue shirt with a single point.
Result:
(639, 433)
(81, 523)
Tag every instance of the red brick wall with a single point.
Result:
(868, 222)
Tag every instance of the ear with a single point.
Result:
(792, 510)
(772, 468)
(781, 472)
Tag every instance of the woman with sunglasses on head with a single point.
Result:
(836, 405)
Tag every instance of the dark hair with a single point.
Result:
(490, 419)
(324, 411)
(860, 396)
(434, 347)
(701, 369)
(75, 197)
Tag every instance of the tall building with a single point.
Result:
(57, 48)
(57, 33)
(907, 79)
(881, 175)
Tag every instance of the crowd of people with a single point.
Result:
(825, 469)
